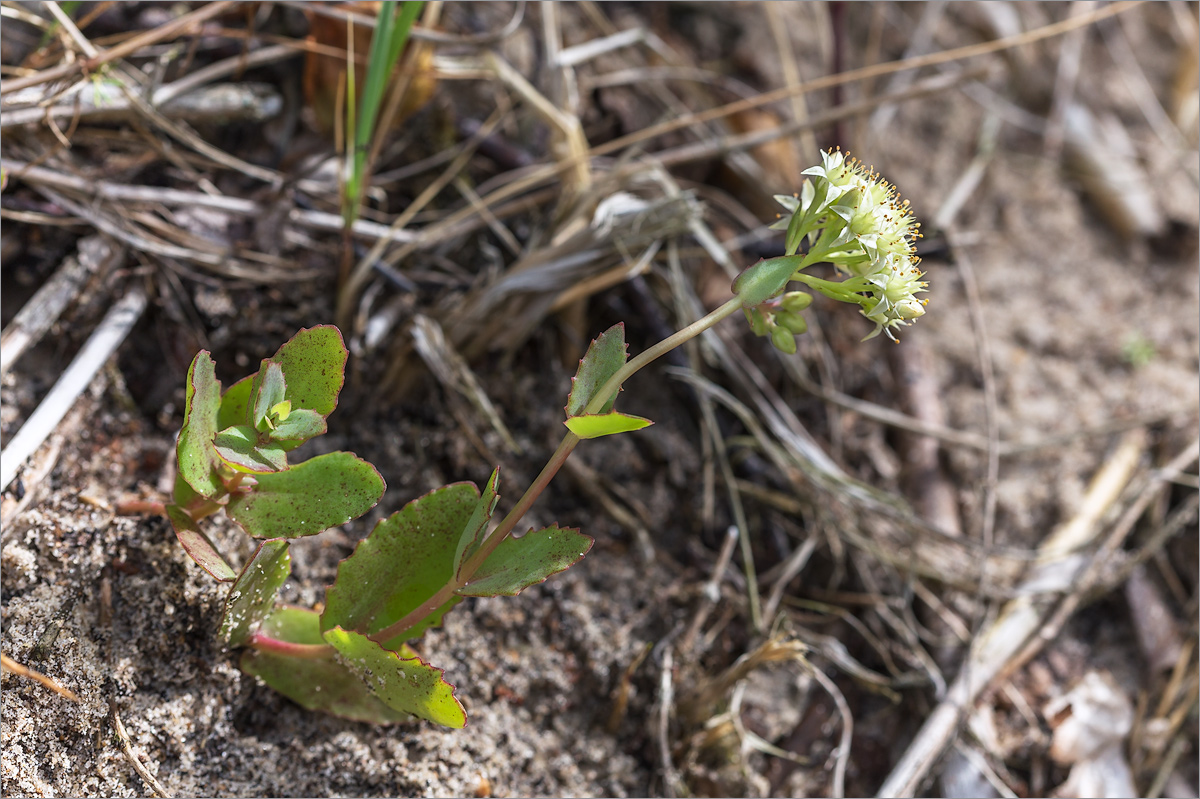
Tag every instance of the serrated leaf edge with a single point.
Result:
(591, 542)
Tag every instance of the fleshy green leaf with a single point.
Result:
(235, 404)
(271, 389)
(298, 427)
(324, 685)
(473, 533)
(309, 497)
(252, 597)
(239, 449)
(198, 545)
(197, 460)
(314, 366)
(605, 424)
(603, 358)
(404, 561)
(401, 680)
(520, 562)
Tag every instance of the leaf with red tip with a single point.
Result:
(314, 365)
(198, 545)
(239, 449)
(197, 461)
(476, 528)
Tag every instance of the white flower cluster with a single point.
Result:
(854, 219)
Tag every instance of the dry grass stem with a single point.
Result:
(127, 747)
(96, 255)
(998, 648)
(30, 674)
(100, 345)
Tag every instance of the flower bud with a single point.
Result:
(783, 339)
(794, 322)
(795, 301)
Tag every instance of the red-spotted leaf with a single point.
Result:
(198, 546)
(197, 460)
(401, 680)
(473, 534)
(520, 562)
(601, 361)
(239, 449)
(605, 424)
(252, 596)
(403, 562)
(309, 497)
(321, 684)
(314, 366)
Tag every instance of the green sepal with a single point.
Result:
(322, 684)
(251, 598)
(310, 497)
(198, 546)
(400, 680)
(198, 462)
(239, 449)
(605, 424)
(520, 562)
(603, 358)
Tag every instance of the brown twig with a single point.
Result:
(29, 674)
(127, 747)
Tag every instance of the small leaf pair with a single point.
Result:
(604, 358)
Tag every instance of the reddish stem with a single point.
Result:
(265, 643)
(133, 507)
